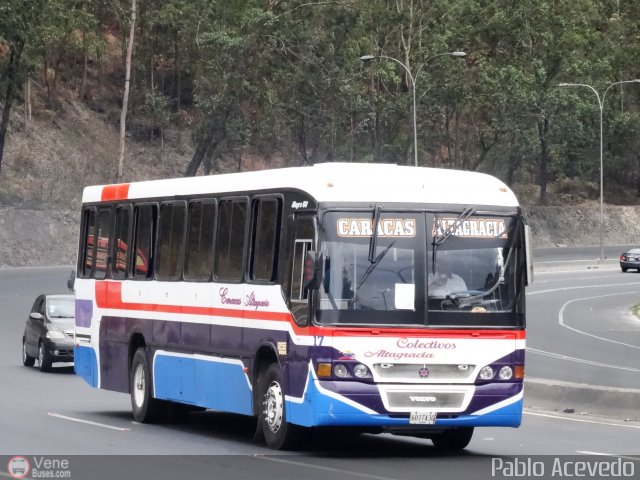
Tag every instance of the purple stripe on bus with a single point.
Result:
(487, 395)
(518, 356)
(220, 340)
(366, 394)
(84, 312)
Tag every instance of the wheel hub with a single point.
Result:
(273, 407)
(139, 385)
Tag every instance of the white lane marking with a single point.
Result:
(581, 420)
(561, 319)
(580, 360)
(587, 452)
(326, 469)
(562, 289)
(87, 422)
(568, 261)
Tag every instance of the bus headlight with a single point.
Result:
(505, 373)
(360, 370)
(486, 373)
(340, 371)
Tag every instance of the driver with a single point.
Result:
(445, 282)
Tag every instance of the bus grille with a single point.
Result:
(426, 373)
(425, 399)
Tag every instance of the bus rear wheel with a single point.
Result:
(453, 440)
(278, 433)
(146, 409)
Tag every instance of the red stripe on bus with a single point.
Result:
(115, 192)
(109, 295)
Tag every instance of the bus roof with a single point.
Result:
(330, 182)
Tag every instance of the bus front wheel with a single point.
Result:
(453, 440)
(146, 409)
(272, 415)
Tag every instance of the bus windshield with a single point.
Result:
(373, 279)
(419, 269)
(472, 264)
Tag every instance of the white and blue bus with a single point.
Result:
(377, 297)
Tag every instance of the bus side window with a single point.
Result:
(266, 239)
(232, 224)
(102, 246)
(303, 242)
(121, 242)
(87, 254)
(170, 247)
(144, 233)
(199, 255)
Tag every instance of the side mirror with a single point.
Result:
(313, 270)
(36, 316)
(71, 281)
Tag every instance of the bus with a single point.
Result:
(380, 298)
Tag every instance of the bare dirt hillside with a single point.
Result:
(30, 237)
(50, 160)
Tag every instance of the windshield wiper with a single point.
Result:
(374, 264)
(374, 232)
(440, 239)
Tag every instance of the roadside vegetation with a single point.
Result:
(240, 85)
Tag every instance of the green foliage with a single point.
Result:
(284, 77)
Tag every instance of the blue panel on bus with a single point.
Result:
(85, 363)
(336, 410)
(210, 383)
(320, 407)
(508, 416)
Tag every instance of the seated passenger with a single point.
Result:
(445, 282)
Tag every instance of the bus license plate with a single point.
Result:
(422, 418)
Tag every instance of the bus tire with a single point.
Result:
(272, 415)
(145, 408)
(44, 359)
(453, 440)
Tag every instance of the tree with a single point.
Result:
(125, 96)
(20, 18)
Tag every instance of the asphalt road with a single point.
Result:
(580, 329)
(58, 414)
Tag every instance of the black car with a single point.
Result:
(49, 333)
(630, 259)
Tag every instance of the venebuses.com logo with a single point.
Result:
(18, 467)
(38, 467)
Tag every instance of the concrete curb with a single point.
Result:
(581, 398)
(573, 265)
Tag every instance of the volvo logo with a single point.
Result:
(423, 372)
(425, 398)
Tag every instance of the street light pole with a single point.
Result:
(601, 105)
(366, 58)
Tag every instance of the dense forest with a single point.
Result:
(284, 78)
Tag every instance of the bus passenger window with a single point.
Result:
(89, 222)
(102, 244)
(199, 258)
(145, 218)
(119, 261)
(170, 240)
(232, 222)
(266, 240)
(303, 243)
